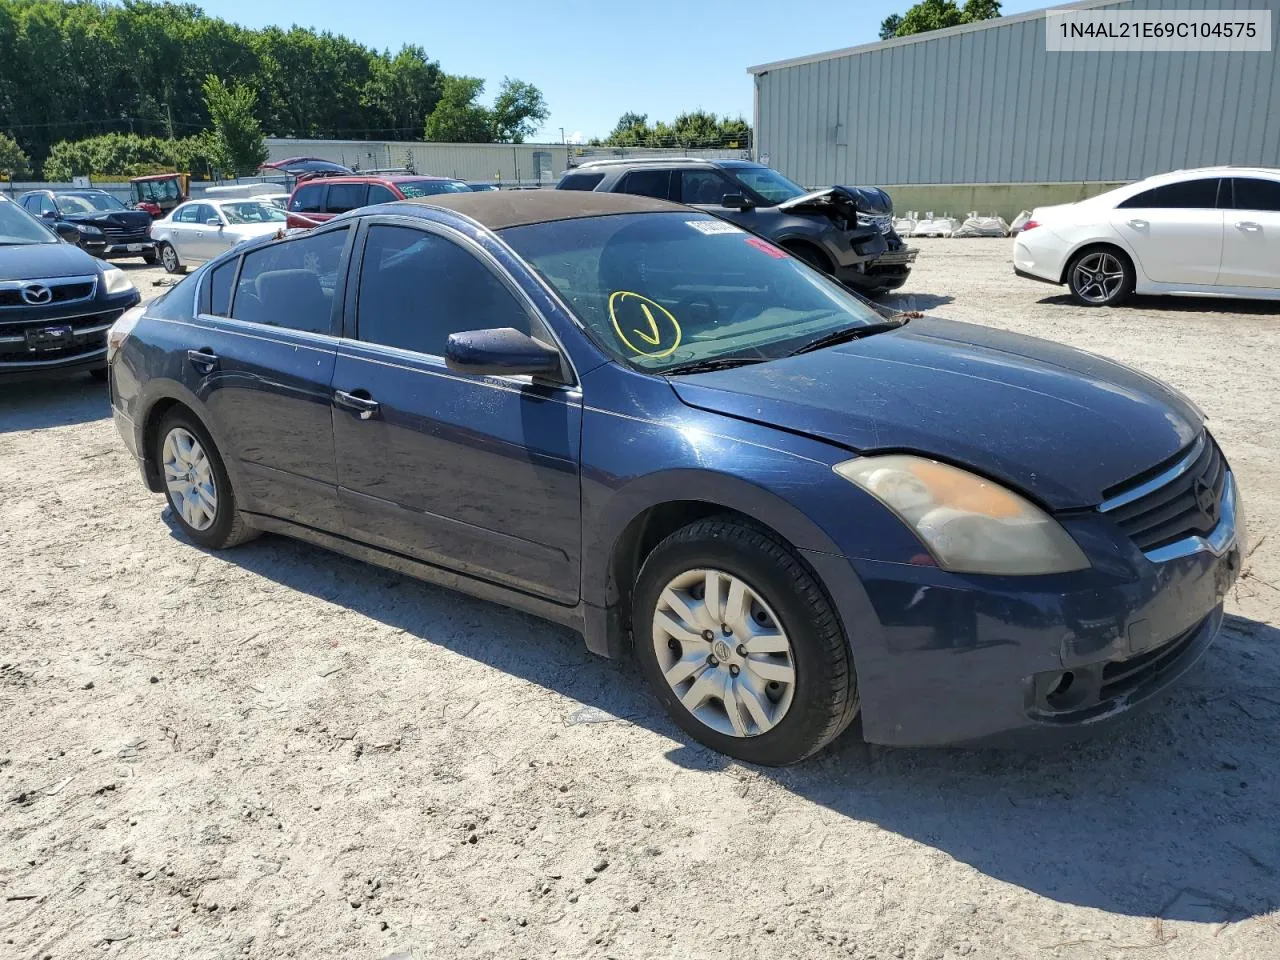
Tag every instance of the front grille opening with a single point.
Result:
(1174, 511)
(1121, 676)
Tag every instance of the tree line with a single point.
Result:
(70, 71)
(937, 15)
(695, 129)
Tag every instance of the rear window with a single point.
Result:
(580, 181)
(308, 199)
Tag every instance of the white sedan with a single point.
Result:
(1208, 232)
(199, 230)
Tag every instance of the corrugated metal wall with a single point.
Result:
(992, 106)
(508, 162)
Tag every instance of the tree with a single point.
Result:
(404, 89)
(694, 129)
(457, 117)
(889, 26)
(129, 155)
(241, 148)
(518, 111)
(13, 162)
(938, 14)
(630, 130)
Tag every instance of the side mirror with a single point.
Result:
(504, 351)
(49, 214)
(67, 231)
(736, 201)
(213, 222)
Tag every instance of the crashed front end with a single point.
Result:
(881, 261)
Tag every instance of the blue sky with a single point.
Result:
(593, 61)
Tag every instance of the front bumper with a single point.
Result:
(136, 249)
(953, 659)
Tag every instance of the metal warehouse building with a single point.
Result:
(981, 117)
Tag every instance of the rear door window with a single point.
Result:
(648, 183)
(381, 194)
(416, 288)
(186, 214)
(1188, 195)
(292, 283)
(1255, 193)
(346, 196)
(309, 199)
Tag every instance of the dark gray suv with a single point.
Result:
(846, 232)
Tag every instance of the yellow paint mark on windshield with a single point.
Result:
(660, 331)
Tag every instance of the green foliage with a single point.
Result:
(889, 26)
(939, 14)
(13, 162)
(240, 146)
(695, 129)
(518, 111)
(458, 116)
(129, 155)
(77, 69)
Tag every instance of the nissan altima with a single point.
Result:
(637, 419)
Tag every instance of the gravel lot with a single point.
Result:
(279, 752)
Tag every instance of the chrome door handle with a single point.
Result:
(1139, 224)
(1248, 226)
(204, 360)
(360, 402)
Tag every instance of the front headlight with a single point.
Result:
(969, 524)
(116, 280)
(90, 231)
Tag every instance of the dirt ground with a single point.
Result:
(277, 752)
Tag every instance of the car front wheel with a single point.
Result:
(196, 483)
(741, 644)
(1100, 277)
(169, 259)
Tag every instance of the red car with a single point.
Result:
(318, 200)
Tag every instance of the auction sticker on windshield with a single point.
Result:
(710, 227)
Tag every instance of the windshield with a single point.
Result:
(770, 184)
(87, 202)
(19, 227)
(253, 211)
(159, 190)
(427, 188)
(660, 290)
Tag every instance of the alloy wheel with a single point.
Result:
(188, 475)
(169, 257)
(724, 652)
(1098, 277)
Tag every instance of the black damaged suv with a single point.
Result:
(56, 301)
(846, 232)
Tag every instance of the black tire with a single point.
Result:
(169, 258)
(810, 255)
(825, 699)
(150, 256)
(99, 373)
(1100, 277)
(228, 528)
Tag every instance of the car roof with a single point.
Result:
(500, 209)
(378, 178)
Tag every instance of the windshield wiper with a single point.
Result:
(846, 334)
(715, 363)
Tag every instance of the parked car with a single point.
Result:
(159, 193)
(482, 187)
(1208, 232)
(846, 232)
(636, 418)
(124, 231)
(203, 229)
(315, 201)
(56, 301)
(86, 236)
(307, 167)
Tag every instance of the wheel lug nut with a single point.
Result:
(724, 628)
(712, 661)
(708, 636)
(742, 651)
(733, 670)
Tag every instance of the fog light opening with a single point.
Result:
(1058, 695)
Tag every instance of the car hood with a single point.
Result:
(118, 218)
(44, 261)
(871, 201)
(1058, 424)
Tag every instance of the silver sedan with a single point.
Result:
(200, 230)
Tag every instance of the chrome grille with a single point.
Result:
(1177, 499)
(61, 290)
(127, 234)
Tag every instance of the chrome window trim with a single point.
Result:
(1155, 483)
(1217, 542)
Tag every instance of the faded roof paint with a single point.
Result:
(500, 209)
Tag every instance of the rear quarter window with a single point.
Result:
(580, 181)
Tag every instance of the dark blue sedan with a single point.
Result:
(637, 419)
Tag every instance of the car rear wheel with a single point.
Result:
(169, 259)
(196, 483)
(741, 645)
(1100, 277)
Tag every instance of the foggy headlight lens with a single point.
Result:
(117, 280)
(969, 524)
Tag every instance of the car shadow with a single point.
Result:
(1200, 305)
(1171, 818)
(40, 404)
